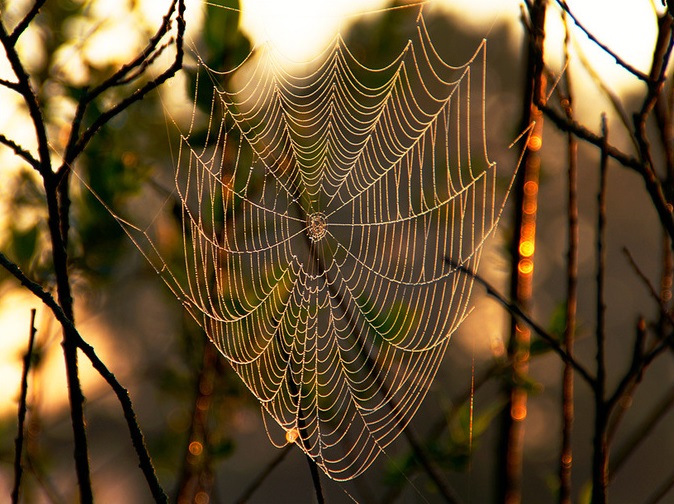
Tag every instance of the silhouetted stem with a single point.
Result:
(88, 350)
(18, 468)
(566, 452)
(512, 428)
(25, 22)
(517, 311)
(634, 71)
(641, 432)
(600, 445)
(316, 480)
(260, 478)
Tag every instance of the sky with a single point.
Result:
(301, 28)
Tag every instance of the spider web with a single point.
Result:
(324, 216)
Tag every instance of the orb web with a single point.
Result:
(323, 217)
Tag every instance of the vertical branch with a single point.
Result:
(316, 479)
(600, 448)
(197, 475)
(59, 257)
(566, 454)
(522, 251)
(58, 203)
(70, 340)
(18, 469)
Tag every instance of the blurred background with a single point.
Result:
(204, 429)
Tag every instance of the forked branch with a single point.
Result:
(97, 363)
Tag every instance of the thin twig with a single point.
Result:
(30, 98)
(45, 484)
(517, 311)
(589, 136)
(262, 476)
(624, 399)
(662, 491)
(77, 142)
(600, 446)
(20, 151)
(14, 86)
(27, 19)
(316, 479)
(59, 256)
(430, 467)
(27, 359)
(664, 312)
(653, 185)
(634, 71)
(641, 432)
(88, 350)
(608, 92)
(637, 370)
(145, 461)
(566, 452)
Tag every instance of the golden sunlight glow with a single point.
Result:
(196, 448)
(299, 29)
(526, 267)
(527, 248)
(535, 143)
(14, 321)
(292, 435)
(518, 411)
(109, 35)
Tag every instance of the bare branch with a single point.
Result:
(27, 359)
(28, 18)
(651, 290)
(316, 479)
(645, 428)
(14, 86)
(20, 151)
(653, 185)
(602, 408)
(517, 311)
(572, 126)
(88, 350)
(266, 471)
(634, 71)
(568, 412)
(23, 86)
(77, 142)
